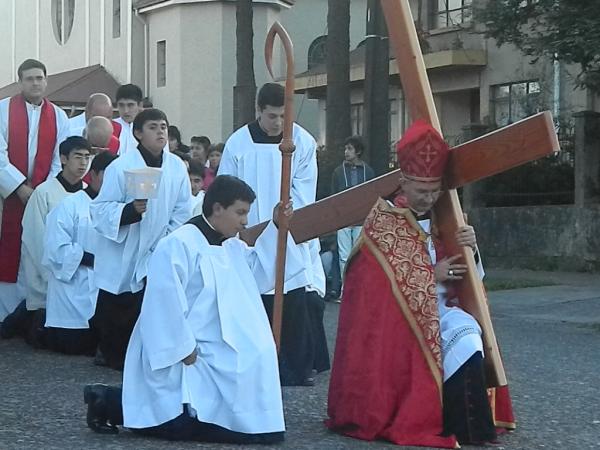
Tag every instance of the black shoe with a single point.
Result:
(15, 323)
(94, 395)
(36, 331)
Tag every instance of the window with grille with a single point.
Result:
(116, 15)
(449, 13)
(514, 101)
(161, 63)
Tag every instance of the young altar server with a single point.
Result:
(69, 257)
(252, 154)
(130, 228)
(129, 99)
(201, 363)
(197, 173)
(74, 156)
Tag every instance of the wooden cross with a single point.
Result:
(524, 141)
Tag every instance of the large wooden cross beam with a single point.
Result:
(493, 153)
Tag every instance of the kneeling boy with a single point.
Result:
(201, 363)
(69, 258)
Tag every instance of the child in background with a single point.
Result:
(199, 146)
(214, 156)
(197, 172)
(214, 159)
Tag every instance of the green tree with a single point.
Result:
(563, 29)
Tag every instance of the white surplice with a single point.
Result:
(259, 165)
(123, 251)
(207, 297)
(43, 200)
(77, 124)
(197, 201)
(11, 178)
(127, 141)
(460, 332)
(72, 292)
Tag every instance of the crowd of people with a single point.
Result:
(156, 282)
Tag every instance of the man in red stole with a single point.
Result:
(31, 128)
(408, 365)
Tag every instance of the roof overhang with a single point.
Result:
(73, 87)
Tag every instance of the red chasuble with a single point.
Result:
(18, 155)
(386, 380)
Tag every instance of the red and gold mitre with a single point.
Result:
(422, 152)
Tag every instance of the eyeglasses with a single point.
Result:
(82, 157)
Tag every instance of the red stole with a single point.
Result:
(18, 155)
(116, 129)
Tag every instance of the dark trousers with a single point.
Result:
(115, 318)
(72, 341)
(316, 311)
(186, 428)
(467, 412)
(26, 324)
(303, 344)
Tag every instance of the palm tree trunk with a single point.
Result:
(377, 106)
(338, 126)
(244, 92)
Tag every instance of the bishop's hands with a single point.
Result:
(465, 237)
(450, 269)
(287, 211)
(191, 358)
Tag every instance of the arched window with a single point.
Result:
(63, 13)
(317, 52)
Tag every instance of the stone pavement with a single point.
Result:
(550, 337)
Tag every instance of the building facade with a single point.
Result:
(473, 80)
(180, 52)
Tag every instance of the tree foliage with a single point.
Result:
(563, 29)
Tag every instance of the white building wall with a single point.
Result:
(90, 41)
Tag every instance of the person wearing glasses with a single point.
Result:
(29, 317)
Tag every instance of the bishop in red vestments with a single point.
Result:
(408, 364)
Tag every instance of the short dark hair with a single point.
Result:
(130, 91)
(196, 168)
(101, 161)
(270, 94)
(73, 143)
(356, 142)
(30, 64)
(216, 148)
(147, 103)
(146, 116)
(174, 133)
(225, 190)
(182, 155)
(202, 140)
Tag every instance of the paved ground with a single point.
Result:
(550, 337)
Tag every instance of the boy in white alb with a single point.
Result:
(129, 99)
(202, 364)
(130, 228)
(252, 154)
(69, 257)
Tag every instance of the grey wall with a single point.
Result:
(539, 237)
